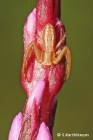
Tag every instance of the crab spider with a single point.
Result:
(47, 55)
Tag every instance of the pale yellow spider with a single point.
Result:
(48, 56)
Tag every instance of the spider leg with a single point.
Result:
(31, 48)
(38, 53)
(25, 57)
(64, 52)
(61, 41)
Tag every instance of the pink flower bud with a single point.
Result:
(44, 133)
(16, 127)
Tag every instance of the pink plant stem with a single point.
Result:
(40, 84)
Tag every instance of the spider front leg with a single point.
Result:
(32, 47)
(38, 53)
(25, 57)
(64, 52)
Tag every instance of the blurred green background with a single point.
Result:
(75, 101)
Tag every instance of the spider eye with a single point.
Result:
(47, 39)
